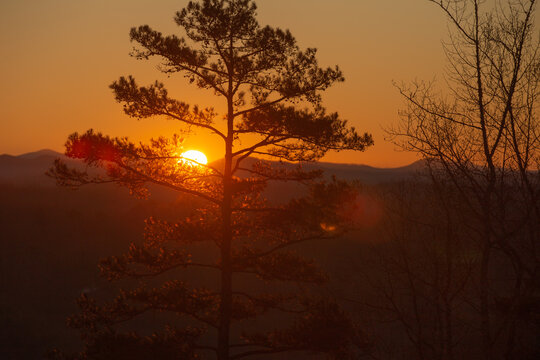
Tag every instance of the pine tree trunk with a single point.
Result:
(225, 311)
(226, 280)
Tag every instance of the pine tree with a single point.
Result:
(274, 111)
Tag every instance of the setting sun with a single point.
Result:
(195, 156)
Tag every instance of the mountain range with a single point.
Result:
(30, 168)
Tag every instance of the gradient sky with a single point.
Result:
(59, 56)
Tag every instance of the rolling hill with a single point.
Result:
(30, 168)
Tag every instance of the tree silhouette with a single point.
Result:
(272, 92)
(480, 137)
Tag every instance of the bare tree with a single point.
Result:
(480, 135)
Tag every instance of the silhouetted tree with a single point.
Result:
(271, 90)
(480, 136)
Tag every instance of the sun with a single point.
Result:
(195, 156)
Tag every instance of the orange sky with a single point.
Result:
(59, 56)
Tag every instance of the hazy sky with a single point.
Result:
(59, 56)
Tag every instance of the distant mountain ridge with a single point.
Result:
(30, 168)
(41, 153)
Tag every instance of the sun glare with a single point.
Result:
(195, 156)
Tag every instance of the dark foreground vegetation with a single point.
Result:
(409, 275)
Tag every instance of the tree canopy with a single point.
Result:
(272, 92)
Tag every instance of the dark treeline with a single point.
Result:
(422, 285)
(410, 275)
(51, 241)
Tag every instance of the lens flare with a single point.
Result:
(328, 227)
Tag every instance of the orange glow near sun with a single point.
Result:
(328, 227)
(195, 156)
